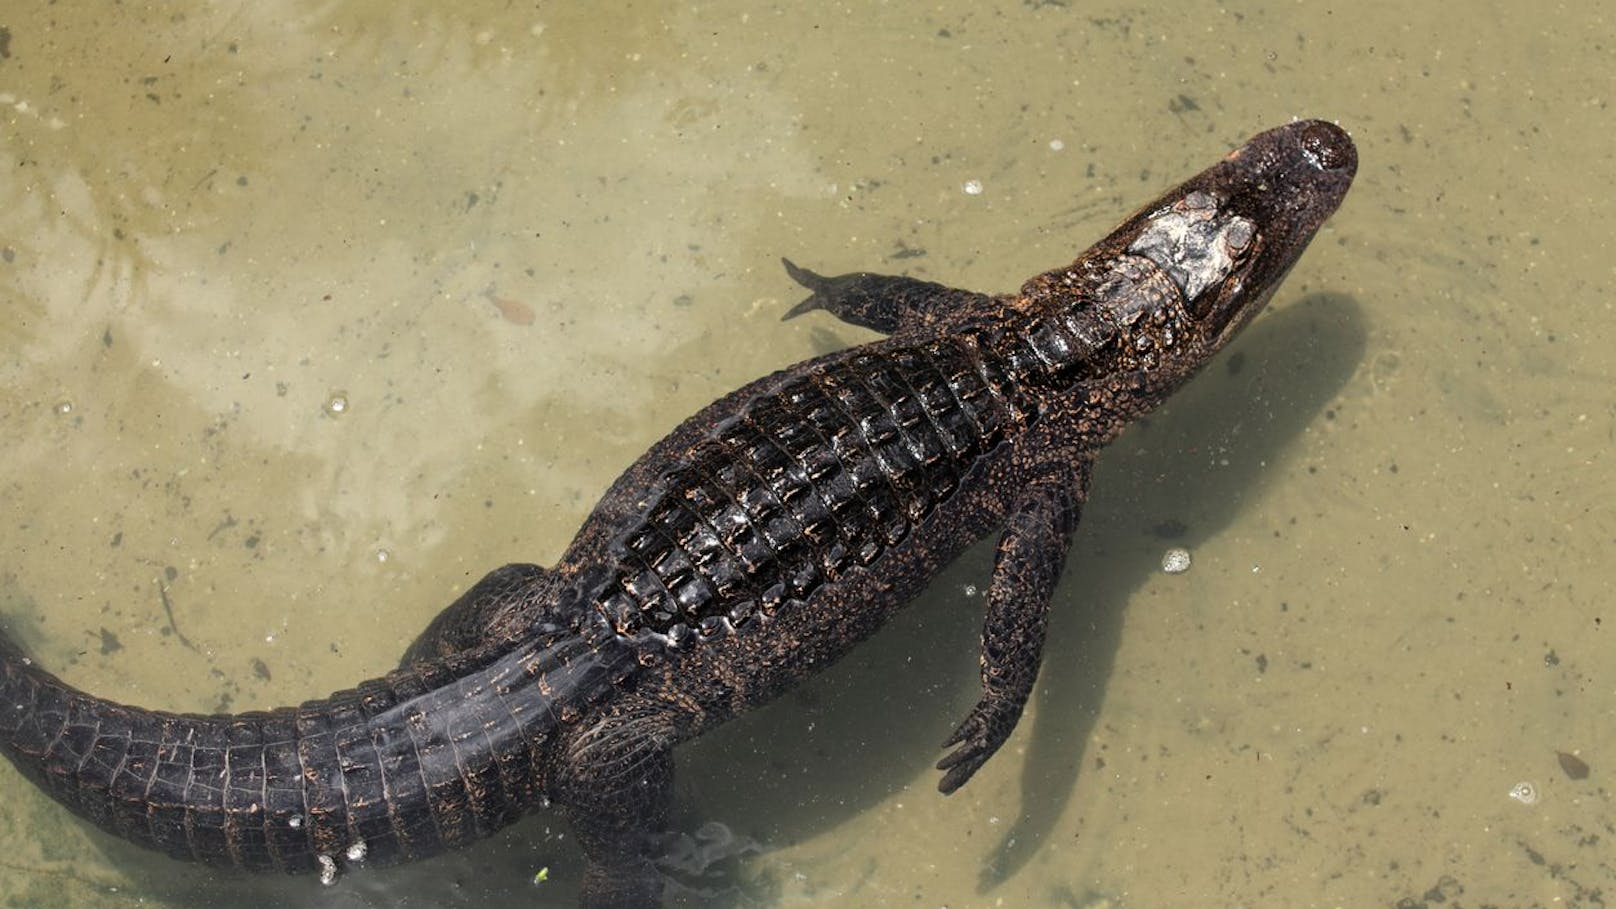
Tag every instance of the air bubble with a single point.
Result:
(1524, 792)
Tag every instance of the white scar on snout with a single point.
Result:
(1193, 244)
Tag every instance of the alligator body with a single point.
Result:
(753, 546)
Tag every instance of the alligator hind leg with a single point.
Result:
(886, 303)
(1031, 554)
(615, 786)
(491, 608)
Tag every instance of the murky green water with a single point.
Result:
(516, 243)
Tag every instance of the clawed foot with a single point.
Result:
(824, 289)
(986, 728)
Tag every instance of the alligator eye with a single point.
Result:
(1198, 202)
(1238, 235)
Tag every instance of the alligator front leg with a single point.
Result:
(886, 303)
(1030, 557)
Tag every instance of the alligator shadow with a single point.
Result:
(867, 727)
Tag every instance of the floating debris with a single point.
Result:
(1176, 560)
(1574, 767)
(513, 311)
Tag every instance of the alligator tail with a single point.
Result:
(401, 767)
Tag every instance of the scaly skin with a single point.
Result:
(752, 547)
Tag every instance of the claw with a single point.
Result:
(984, 730)
(962, 763)
(957, 776)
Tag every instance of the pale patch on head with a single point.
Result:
(1195, 245)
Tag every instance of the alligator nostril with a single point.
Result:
(1327, 145)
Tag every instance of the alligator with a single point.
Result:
(750, 548)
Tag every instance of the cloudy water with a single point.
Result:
(313, 313)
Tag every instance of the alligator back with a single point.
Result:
(399, 768)
(821, 469)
